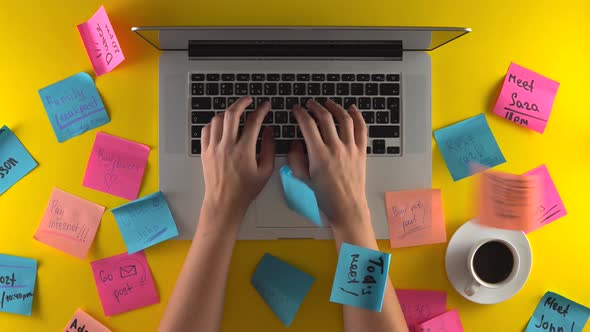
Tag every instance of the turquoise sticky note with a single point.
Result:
(73, 106)
(282, 286)
(467, 144)
(145, 222)
(300, 197)
(17, 284)
(361, 276)
(15, 160)
(556, 313)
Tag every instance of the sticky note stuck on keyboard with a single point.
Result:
(84, 322)
(549, 206)
(15, 160)
(526, 98)
(69, 223)
(101, 42)
(145, 222)
(73, 106)
(466, 143)
(299, 196)
(18, 284)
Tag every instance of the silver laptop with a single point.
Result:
(386, 72)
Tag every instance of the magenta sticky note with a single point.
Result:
(124, 283)
(101, 42)
(550, 206)
(116, 166)
(419, 306)
(526, 98)
(447, 322)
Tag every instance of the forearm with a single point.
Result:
(391, 318)
(196, 303)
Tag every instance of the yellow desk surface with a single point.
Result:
(40, 45)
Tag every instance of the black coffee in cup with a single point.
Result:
(493, 262)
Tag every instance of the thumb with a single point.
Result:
(298, 162)
(266, 163)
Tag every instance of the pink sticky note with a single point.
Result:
(419, 306)
(447, 322)
(526, 98)
(116, 166)
(101, 42)
(415, 217)
(507, 200)
(549, 206)
(84, 322)
(124, 283)
(69, 223)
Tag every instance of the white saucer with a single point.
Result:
(456, 261)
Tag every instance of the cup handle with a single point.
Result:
(472, 287)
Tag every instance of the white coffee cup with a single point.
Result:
(476, 281)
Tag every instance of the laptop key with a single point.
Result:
(348, 77)
(364, 103)
(363, 77)
(328, 89)
(201, 103)
(371, 89)
(378, 77)
(369, 117)
(241, 89)
(257, 77)
(384, 131)
(321, 100)
(268, 118)
(292, 119)
(299, 89)
(291, 102)
(337, 100)
(196, 131)
(313, 89)
(392, 77)
(284, 89)
(393, 150)
(219, 103)
(197, 77)
(202, 117)
(382, 117)
(261, 100)
(342, 89)
(333, 77)
(256, 89)
(276, 131)
(288, 77)
(212, 89)
(198, 89)
(318, 77)
(243, 77)
(378, 146)
(227, 89)
(196, 147)
(303, 100)
(212, 77)
(389, 89)
(273, 77)
(393, 107)
(357, 89)
(349, 101)
(282, 146)
(379, 103)
(368, 150)
(270, 89)
(277, 103)
(303, 77)
(281, 117)
(228, 77)
(289, 131)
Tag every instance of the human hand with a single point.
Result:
(337, 161)
(233, 176)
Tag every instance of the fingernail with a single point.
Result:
(309, 101)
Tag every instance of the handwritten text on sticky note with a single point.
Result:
(17, 284)
(124, 283)
(526, 98)
(360, 278)
(116, 166)
(447, 322)
(101, 42)
(69, 223)
(83, 322)
(282, 286)
(15, 160)
(557, 313)
(145, 222)
(415, 217)
(467, 142)
(549, 206)
(419, 306)
(299, 196)
(73, 106)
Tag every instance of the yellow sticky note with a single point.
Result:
(415, 217)
(84, 322)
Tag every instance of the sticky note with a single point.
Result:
(69, 223)
(557, 313)
(15, 160)
(467, 142)
(73, 106)
(83, 322)
(282, 286)
(17, 284)
(420, 306)
(116, 166)
(508, 201)
(415, 217)
(124, 283)
(549, 206)
(526, 98)
(361, 276)
(145, 222)
(448, 322)
(101, 43)
(300, 197)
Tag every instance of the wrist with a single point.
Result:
(221, 216)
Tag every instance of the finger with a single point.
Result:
(216, 129)
(325, 120)
(309, 129)
(254, 123)
(266, 163)
(205, 134)
(231, 121)
(360, 128)
(298, 162)
(346, 126)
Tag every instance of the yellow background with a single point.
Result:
(39, 45)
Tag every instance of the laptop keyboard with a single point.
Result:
(377, 97)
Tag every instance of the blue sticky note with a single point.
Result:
(73, 106)
(145, 222)
(467, 144)
(300, 197)
(17, 284)
(282, 286)
(361, 276)
(556, 313)
(15, 160)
